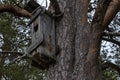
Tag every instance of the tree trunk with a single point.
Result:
(79, 44)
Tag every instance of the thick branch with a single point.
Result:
(113, 41)
(111, 34)
(113, 8)
(100, 11)
(14, 10)
(112, 66)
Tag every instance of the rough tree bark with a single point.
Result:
(79, 41)
(73, 37)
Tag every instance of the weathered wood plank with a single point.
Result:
(35, 45)
(35, 16)
(43, 46)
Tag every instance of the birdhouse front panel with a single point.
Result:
(36, 30)
(43, 39)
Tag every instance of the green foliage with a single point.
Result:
(110, 75)
(14, 36)
(23, 71)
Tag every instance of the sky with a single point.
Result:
(43, 2)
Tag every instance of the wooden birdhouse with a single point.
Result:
(43, 39)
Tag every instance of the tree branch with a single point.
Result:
(112, 10)
(111, 34)
(17, 4)
(100, 11)
(113, 41)
(112, 66)
(14, 10)
(11, 52)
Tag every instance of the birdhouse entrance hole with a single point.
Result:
(36, 28)
(43, 39)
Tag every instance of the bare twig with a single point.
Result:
(19, 42)
(111, 40)
(24, 55)
(11, 52)
(17, 4)
(111, 34)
